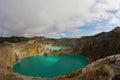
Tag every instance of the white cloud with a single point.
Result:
(55, 35)
(114, 20)
(63, 35)
(45, 17)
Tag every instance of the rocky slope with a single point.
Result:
(14, 52)
(100, 45)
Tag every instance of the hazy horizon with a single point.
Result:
(58, 18)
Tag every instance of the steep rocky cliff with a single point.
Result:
(13, 52)
(101, 45)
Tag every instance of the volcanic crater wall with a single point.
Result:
(11, 53)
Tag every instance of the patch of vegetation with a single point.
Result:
(11, 76)
(13, 39)
(101, 72)
(25, 49)
(104, 70)
(72, 74)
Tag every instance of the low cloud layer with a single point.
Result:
(54, 17)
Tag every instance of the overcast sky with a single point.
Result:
(58, 18)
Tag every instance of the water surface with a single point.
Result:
(50, 66)
(58, 47)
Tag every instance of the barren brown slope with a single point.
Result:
(100, 45)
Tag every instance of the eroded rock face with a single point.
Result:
(112, 61)
(13, 52)
(100, 45)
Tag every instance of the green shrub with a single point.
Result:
(72, 74)
(104, 70)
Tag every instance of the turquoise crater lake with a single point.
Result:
(58, 47)
(50, 66)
